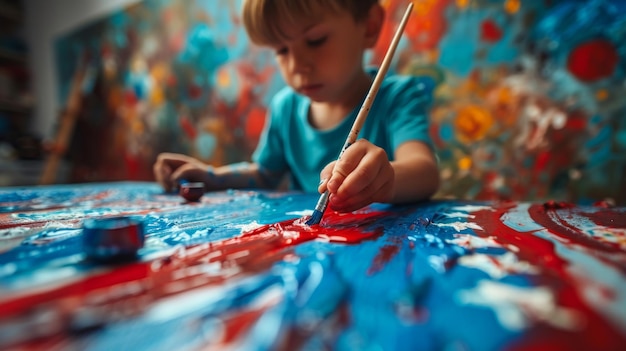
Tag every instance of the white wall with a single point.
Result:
(45, 21)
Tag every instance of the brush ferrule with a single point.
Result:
(322, 202)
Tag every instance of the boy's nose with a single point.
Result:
(301, 62)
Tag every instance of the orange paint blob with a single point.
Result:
(602, 94)
(465, 163)
(255, 123)
(512, 6)
(472, 123)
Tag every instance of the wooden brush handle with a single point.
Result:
(378, 79)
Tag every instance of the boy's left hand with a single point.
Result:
(363, 175)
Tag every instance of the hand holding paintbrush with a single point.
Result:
(322, 203)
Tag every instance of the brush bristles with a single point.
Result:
(316, 217)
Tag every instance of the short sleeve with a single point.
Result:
(269, 153)
(409, 108)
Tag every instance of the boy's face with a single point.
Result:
(323, 57)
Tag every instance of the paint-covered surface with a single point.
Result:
(528, 105)
(240, 270)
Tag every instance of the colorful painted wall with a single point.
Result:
(529, 103)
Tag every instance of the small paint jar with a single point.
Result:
(192, 192)
(113, 238)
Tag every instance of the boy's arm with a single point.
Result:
(416, 172)
(364, 175)
(241, 175)
(170, 169)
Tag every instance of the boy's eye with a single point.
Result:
(281, 51)
(316, 42)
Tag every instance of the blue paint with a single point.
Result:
(458, 46)
(403, 300)
(461, 46)
(206, 144)
(570, 23)
(228, 93)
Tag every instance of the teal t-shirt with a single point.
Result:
(290, 144)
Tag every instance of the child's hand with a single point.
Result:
(363, 175)
(169, 169)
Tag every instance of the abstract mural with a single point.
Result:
(529, 103)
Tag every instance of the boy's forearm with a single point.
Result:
(240, 176)
(415, 179)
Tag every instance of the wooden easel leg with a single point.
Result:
(66, 129)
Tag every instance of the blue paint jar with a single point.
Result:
(113, 238)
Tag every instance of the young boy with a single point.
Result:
(319, 47)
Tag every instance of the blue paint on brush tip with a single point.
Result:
(320, 207)
(316, 217)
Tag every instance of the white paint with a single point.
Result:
(459, 226)
(247, 227)
(237, 255)
(590, 274)
(471, 208)
(473, 242)
(498, 266)
(518, 308)
(593, 277)
(300, 213)
(458, 215)
(45, 21)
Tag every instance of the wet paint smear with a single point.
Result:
(242, 270)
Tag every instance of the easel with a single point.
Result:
(67, 122)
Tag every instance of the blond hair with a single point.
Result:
(262, 18)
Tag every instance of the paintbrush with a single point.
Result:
(322, 203)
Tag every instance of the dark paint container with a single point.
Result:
(113, 238)
(192, 192)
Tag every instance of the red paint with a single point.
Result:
(554, 222)
(604, 204)
(253, 251)
(130, 98)
(192, 192)
(335, 227)
(194, 91)
(490, 31)
(593, 60)
(424, 29)
(188, 128)
(542, 161)
(237, 324)
(255, 123)
(385, 255)
(554, 273)
(551, 205)
(133, 165)
(576, 122)
(171, 80)
(608, 217)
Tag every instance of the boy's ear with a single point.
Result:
(374, 24)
